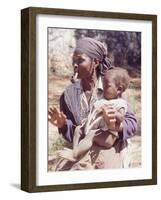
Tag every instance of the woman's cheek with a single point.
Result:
(83, 71)
(80, 73)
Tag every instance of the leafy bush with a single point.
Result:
(124, 48)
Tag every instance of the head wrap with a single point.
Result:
(94, 49)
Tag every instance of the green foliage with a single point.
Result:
(124, 47)
(133, 95)
(58, 144)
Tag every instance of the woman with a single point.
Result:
(90, 62)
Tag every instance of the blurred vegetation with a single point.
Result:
(133, 96)
(124, 48)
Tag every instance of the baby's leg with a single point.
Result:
(77, 135)
(85, 144)
(105, 139)
(67, 154)
(78, 149)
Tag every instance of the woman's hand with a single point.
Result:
(56, 118)
(113, 118)
(109, 117)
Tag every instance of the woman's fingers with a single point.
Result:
(54, 109)
(112, 119)
(52, 117)
(53, 122)
(50, 110)
(109, 115)
(53, 112)
(109, 112)
(63, 115)
(56, 118)
(49, 114)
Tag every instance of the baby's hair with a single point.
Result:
(119, 76)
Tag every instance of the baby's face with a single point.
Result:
(110, 90)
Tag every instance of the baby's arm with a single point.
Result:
(77, 135)
(79, 148)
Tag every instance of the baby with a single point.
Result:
(115, 82)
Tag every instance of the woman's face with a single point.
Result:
(83, 64)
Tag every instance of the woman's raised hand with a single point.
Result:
(56, 118)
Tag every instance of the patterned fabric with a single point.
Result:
(95, 119)
(77, 102)
(72, 99)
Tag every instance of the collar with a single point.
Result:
(99, 84)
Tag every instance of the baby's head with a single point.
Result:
(115, 82)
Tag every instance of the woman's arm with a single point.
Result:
(129, 124)
(68, 129)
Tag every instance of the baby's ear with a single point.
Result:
(120, 89)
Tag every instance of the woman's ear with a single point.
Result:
(97, 62)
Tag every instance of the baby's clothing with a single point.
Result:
(95, 118)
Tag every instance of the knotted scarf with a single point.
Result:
(96, 50)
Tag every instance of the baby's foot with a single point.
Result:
(67, 154)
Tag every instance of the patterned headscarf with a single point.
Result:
(94, 49)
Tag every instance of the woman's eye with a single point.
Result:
(80, 61)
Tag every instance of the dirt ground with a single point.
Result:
(55, 141)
